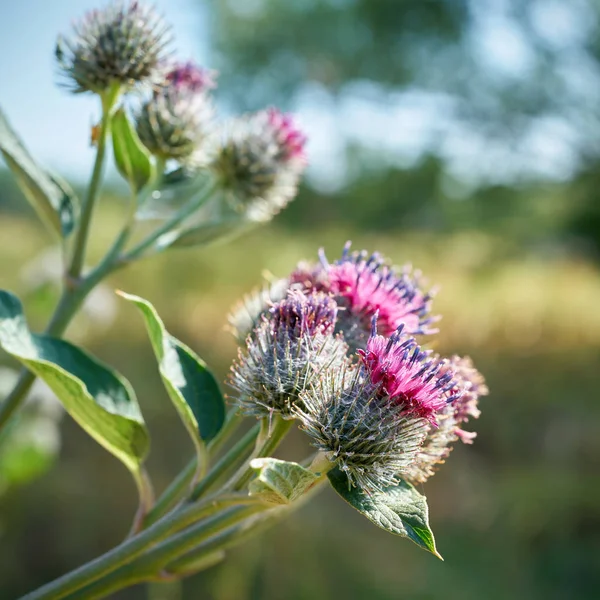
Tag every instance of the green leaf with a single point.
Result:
(132, 158)
(399, 509)
(203, 234)
(101, 401)
(191, 386)
(51, 197)
(279, 481)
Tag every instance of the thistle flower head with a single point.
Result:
(439, 440)
(290, 139)
(189, 78)
(247, 313)
(259, 162)
(407, 375)
(364, 286)
(123, 44)
(175, 122)
(302, 314)
(291, 346)
(374, 442)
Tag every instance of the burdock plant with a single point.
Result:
(339, 348)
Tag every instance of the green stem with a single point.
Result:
(146, 499)
(272, 434)
(87, 211)
(181, 484)
(227, 462)
(149, 565)
(189, 208)
(135, 546)
(75, 290)
(192, 561)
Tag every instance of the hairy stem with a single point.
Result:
(180, 216)
(151, 564)
(135, 546)
(75, 290)
(181, 484)
(228, 461)
(87, 211)
(271, 435)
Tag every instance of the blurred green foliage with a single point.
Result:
(517, 516)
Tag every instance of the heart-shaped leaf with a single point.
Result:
(133, 160)
(99, 399)
(51, 197)
(191, 386)
(399, 509)
(279, 481)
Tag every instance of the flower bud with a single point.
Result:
(288, 349)
(437, 445)
(176, 121)
(259, 162)
(365, 286)
(123, 44)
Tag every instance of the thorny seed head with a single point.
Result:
(439, 440)
(288, 349)
(176, 121)
(123, 44)
(364, 285)
(258, 162)
(372, 440)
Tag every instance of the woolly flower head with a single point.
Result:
(290, 347)
(408, 376)
(175, 122)
(438, 444)
(259, 162)
(122, 44)
(365, 285)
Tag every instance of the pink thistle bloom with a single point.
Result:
(289, 137)
(407, 375)
(365, 286)
(301, 314)
(190, 78)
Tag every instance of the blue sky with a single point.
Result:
(55, 124)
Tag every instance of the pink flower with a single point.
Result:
(407, 375)
(365, 286)
(289, 137)
(189, 77)
(305, 314)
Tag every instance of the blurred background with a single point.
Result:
(462, 136)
